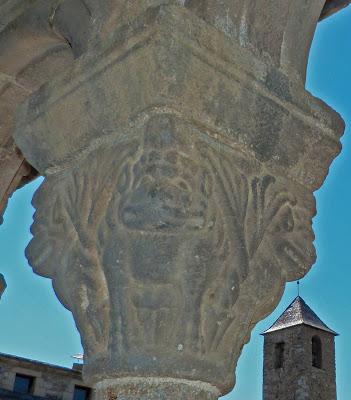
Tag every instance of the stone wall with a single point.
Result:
(298, 379)
(50, 382)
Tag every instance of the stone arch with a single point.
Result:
(280, 32)
(31, 53)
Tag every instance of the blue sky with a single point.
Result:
(35, 325)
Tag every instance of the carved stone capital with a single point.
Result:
(165, 240)
(189, 68)
(178, 199)
(39, 39)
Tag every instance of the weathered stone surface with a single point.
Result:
(180, 166)
(158, 235)
(30, 54)
(280, 33)
(155, 389)
(38, 39)
(159, 48)
(15, 171)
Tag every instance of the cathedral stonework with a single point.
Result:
(180, 152)
(162, 237)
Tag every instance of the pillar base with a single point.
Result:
(154, 389)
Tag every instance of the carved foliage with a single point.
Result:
(266, 224)
(68, 241)
(150, 244)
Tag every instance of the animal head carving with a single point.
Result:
(279, 227)
(169, 217)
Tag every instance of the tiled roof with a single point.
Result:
(298, 313)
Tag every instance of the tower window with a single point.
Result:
(23, 384)
(316, 352)
(279, 355)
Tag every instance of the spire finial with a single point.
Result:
(298, 288)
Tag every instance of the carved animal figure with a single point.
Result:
(162, 246)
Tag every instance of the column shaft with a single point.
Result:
(154, 389)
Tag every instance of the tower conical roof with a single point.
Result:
(299, 313)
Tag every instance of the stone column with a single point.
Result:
(180, 160)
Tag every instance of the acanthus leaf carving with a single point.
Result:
(152, 244)
(68, 242)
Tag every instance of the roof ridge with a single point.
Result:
(298, 313)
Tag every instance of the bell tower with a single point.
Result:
(299, 356)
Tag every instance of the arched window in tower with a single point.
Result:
(316, 352)
(279, 355)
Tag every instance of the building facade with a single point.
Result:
(299, 356)
(25, 379)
